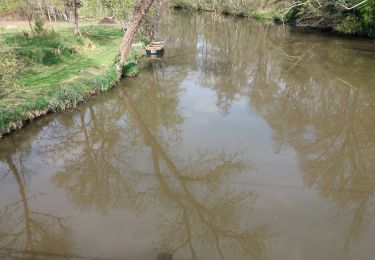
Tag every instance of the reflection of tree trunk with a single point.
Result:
(85, 133)
(158, 149)
(261, 67)
(164, 185)
(21, 188)
(204, 213)
(97, 127)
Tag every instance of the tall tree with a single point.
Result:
(140, 10)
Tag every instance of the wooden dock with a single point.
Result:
(155, 49)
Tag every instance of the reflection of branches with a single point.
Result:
(32, 232)
(331, 130)
(210, 216)
(101, 173)
(228, 66)
(323, 108)
(91, 179)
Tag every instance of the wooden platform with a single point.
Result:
(155, 48)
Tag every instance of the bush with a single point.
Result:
(331, 15)
(38, 28)
(50, 57)
(367, 13)
(130, 69)
(46, 48)
(350, 25)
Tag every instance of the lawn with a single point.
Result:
(60, 69)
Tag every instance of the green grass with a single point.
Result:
(263, 17)
(50, 82)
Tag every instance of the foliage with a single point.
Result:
(323, 14)
(9, 5)
(38, 28)
(62, 85)
(46, 48)
(347, 16)
(367, 18)
(350, 25)
(131, 67)
(9, 67)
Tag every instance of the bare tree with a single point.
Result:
(27, 12)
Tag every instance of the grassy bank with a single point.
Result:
(57, 70)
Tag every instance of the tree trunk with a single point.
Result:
(41, 8)
(140, 10)
(75, 18)
(65, 12)
(29, 22)
(28, 13)
(49, 15)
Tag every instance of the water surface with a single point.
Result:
(246, 141)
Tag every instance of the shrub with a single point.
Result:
(130, 69)
(368, 18)
(350, 25)
(50, 57)
(47, 48)
(38, 28)
(332, 15)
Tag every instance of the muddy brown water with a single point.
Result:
(246, 141)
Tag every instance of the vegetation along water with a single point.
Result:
(248, 139)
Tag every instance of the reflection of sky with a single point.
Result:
(206, 128)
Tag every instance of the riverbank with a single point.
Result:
(226, 9)
(325, 16)
(57, 70)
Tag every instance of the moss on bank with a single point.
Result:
(58, 74)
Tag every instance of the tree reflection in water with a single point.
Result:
(331, 128)
(125, 152)
(201, 213)
(314, 99)
(206, 215)
(25, 232)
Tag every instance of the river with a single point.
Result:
(245, 141)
